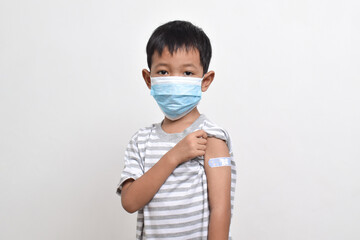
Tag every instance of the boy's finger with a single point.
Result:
(202, 141)
(200, 133)
(201, 147)
(201, 152)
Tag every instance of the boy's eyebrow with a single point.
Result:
(189, 65)
(184, 65)
(161, 65)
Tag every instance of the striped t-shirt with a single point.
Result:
(180, 209)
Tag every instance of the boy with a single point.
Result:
(179, 174)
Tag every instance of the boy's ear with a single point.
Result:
(207, 80)
(146, 76)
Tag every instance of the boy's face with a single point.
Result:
(181, 63)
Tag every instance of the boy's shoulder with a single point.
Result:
(214, 130)
(142, 132)
(204, 123)
(211, 128)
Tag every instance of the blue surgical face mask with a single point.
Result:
(176, 96)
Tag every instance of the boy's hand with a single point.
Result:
(191, 146)
(137, 193)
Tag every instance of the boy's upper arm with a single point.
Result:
(218, 178)
(133, 166)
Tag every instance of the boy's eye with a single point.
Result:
(188, 73)
(162, 72)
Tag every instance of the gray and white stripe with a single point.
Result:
(179, 210)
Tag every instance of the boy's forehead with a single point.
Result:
(178, 55)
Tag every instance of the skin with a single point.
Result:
(137, 193)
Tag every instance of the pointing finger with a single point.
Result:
(200, 133)
(202, 141)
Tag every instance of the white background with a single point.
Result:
(287, 89)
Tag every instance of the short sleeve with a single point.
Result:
(212, 130)
(133, 164)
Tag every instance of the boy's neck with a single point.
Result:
(181, 124)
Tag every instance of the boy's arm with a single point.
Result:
(219, 189)
(135, 194)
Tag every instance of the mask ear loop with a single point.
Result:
(202, 78)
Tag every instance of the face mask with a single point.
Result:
(176, 96)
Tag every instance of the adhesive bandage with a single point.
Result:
(220, 162)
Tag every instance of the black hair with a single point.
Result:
(176, 35)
